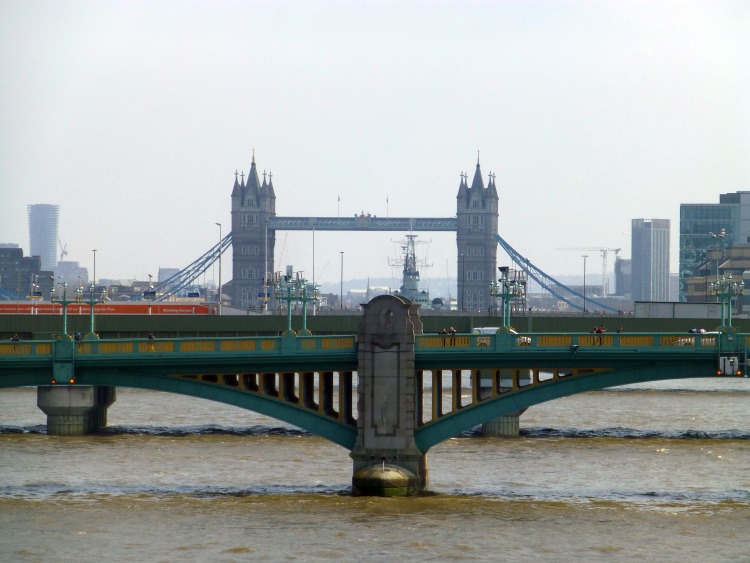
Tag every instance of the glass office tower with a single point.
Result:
(43, 219)
(650, 259)
(701, 227)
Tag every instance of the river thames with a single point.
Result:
(656, 472)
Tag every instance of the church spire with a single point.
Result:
(236, 188)
(477, 182)
(253, 181)
(271, 193)
(462, 187)
(491, 187)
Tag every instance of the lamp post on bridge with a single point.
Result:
(507, 290)
(718, 237)
(294, 288)
(94, 273)
(92, 301)
(584, 256)
(341, 287)
(150, 293)
(64, 302)
(725, 289)
(313, 264)
(266, 276)
(34, 293)
(218, 294)
(462, 288)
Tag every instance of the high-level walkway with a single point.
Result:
(387, 394)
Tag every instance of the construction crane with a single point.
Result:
(63, 249)
(604, 251)
(281, 255)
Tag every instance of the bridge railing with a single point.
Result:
(271, 344)
(26, 348)
(508, 341)
(318, 345)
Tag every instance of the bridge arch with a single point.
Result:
(327, 428)
(471, 416)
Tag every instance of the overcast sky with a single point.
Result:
(134, 116)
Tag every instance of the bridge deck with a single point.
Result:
(310, 381)
(287, 347)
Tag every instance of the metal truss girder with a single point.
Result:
(10, 296)
(363, 223)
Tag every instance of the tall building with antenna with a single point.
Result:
(43, 222)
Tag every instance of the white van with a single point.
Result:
(485, 330)
(521, 340)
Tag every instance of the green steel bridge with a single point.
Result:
(462, 380)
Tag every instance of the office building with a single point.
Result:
(650, 259)
(706, 231)
(72, 273)
(21, 276)
(43, 219)
(623, 278)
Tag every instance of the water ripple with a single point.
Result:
(48, 491)
(632, 433)
(191, 430)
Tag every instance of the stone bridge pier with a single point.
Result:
(385, 457)
(75, 410)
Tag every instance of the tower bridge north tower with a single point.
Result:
(255, 222)
(477, 222)
(253, 241)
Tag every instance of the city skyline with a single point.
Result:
(589, 115)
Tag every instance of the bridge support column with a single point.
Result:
(75, 410)
(506, 426)
(386, 461)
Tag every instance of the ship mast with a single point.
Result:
(410, 273)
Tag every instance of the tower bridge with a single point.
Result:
(255, 223)
(387, 394)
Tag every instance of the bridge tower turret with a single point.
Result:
(477, 214)
(253, 241)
